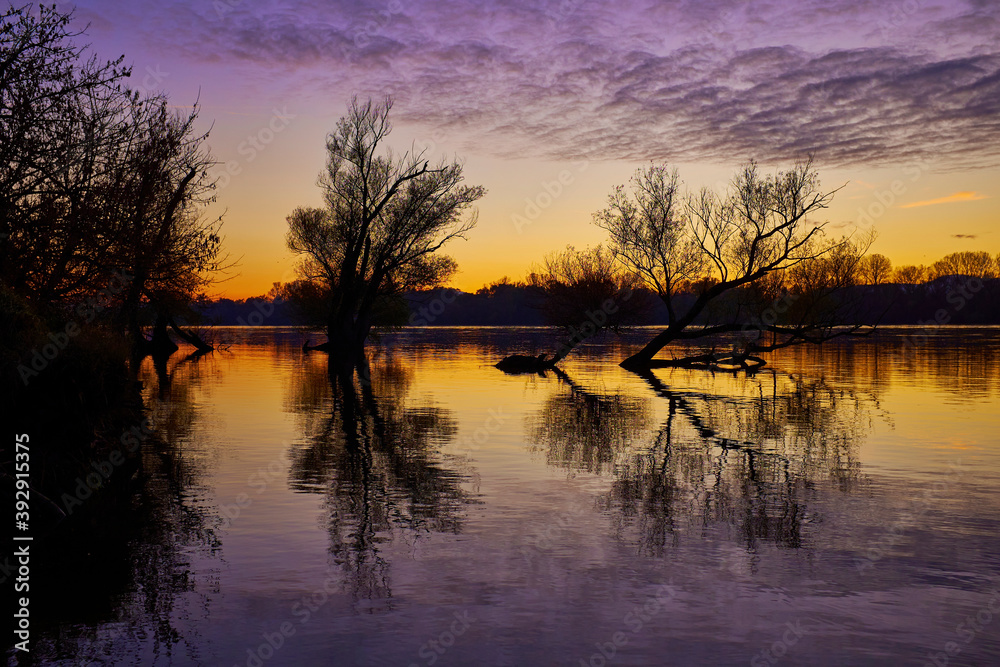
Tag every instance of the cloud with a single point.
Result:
(965, 236)
(850, 81)
(950, 199)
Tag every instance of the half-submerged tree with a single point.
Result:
(722, 247)
(386, 216)
(162, 242)
(583, 293)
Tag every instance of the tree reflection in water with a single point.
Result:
(115, 580)
(370, 449)
(746, 462)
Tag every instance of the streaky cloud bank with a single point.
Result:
(852, 82)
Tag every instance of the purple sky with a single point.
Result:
(861, 85)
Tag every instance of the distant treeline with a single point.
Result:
(945, 300)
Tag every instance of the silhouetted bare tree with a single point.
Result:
(875, 269)
(159, 184)
(385, 218)
(717, 244)
(910, 275)
(968, 263)
(57, 112)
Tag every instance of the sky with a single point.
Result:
(550, 104)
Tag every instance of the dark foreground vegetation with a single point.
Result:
(101, 236)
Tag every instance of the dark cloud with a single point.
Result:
(965, 236)
(850, 81)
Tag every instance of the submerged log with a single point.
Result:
(322, 347)
(521, 363)
(713, 362)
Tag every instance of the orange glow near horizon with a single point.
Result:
(502, 245)
(535, 207)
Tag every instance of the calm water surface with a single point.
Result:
(839, 508)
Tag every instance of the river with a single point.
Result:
(838, 508)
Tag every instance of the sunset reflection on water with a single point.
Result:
(446, 513)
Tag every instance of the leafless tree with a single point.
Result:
(968, 263)
(651, 233)
(875, 269)
(718, 244)
(58, 112)
(96, 180)
(158, 188)
(385, 218)
(910, 274)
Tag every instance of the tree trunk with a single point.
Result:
(161, 345)
(339, 335)
(347, 331)
(190, 337)
(130, 313)
(644, 357)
